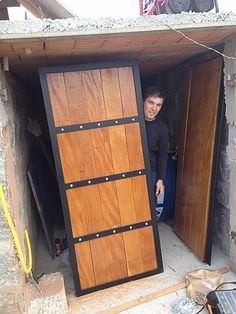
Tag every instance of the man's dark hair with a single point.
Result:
(153, 91)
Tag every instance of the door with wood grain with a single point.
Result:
(193, 218)
(99, 143)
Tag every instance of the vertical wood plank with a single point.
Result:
(77, 158)
(180, 205)
(127, 90)
(116, 253)
(76, 97)
(119, 148)
(126, 201)
(102, 152)
(101, 262)
(78, 214)
(134, 144)
(141, 198)
(58, 98)
(110, 205)
(111, 92)
(133, 252)
(90, 201)
(85, 265)
(94, 96)
(147, 246)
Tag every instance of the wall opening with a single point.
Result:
(51, 252)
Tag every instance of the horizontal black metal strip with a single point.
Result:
(123, 175)
(96, 125)
(113, 231)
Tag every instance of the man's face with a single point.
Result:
(152, 105)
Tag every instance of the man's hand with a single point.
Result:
(159, 188)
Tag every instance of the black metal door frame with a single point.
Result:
(63, 187)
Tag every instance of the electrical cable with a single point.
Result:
(198, 43)
(225, 283)
(35, 283)
(203, 307)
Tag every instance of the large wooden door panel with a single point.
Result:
(197, 152)
(95, 95)
(99, 143)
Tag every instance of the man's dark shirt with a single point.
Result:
(157, 138)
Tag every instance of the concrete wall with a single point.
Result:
(230, 68)
(14, 150)
(222, 209)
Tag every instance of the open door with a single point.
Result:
(99, 144)
(196, 158)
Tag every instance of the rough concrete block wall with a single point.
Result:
(222, 209)
(13, 162)
(230, 68)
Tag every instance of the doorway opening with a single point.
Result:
(52, 252)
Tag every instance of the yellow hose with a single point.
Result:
(13, 231)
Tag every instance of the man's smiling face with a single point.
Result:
(152, 105)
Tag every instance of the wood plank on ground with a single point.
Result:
(152, 296)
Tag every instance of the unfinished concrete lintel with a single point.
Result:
(70, 28)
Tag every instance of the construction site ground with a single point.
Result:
(178, 260)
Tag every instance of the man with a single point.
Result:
(157, 138)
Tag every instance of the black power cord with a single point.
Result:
(225, 283)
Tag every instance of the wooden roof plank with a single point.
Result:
(9, 3)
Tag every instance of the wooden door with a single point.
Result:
(98, 136)
(196, 157)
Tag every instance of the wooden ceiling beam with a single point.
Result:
(36, 11)
(9, 3)
(46, 9)
(4, 14)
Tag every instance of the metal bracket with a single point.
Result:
(124, 175)
(96, 125)
(109, 232)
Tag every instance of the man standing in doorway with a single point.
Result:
(157, 138)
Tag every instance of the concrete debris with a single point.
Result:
(54, 296)
(84, 24)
